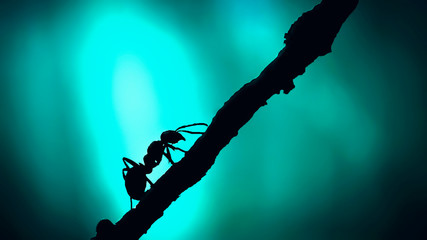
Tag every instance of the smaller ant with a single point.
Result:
(136, 178)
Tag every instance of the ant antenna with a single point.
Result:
(190, 132)
(190, 125)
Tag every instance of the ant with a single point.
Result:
(136, 178)
(158, 149)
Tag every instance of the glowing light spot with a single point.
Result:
(134, 98)
(135, 81)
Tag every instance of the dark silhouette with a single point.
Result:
(135, 179)
(158, 149)
(309, 37)
(136, 176)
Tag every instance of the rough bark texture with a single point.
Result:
(309, 37)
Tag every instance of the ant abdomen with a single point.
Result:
(135, 182)
(135, 177)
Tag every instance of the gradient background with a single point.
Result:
(84, 83)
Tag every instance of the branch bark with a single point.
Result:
(309, 37)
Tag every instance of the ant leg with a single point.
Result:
(176, 148)
(131, 162)
(130, 203)
(148, 180)
(168, 155)
(123, 172)
(125, 162)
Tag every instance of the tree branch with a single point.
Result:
(309, 37)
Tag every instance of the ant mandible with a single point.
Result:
(136, 177)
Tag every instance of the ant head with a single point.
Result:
(174, 136)
(171, 137)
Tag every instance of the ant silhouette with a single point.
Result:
(136, 178)
(157, 149)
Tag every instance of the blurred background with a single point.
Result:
(85, 83)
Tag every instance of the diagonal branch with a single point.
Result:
(309, 37)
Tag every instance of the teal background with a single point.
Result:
(84, 83)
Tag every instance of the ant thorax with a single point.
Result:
(155, 150)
